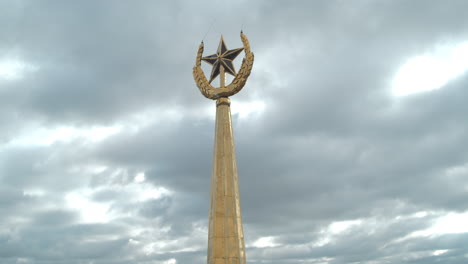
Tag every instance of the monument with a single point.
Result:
(225, 233)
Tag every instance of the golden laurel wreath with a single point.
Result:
(236, 85)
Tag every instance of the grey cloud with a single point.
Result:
(331, 145)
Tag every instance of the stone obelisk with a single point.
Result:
(225, 235)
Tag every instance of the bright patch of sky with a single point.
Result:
(450, 223)
(170, 261)
(335, 229)
(440, 252)
(247, 109)
(341, 226)
(140, 177)
(14, 69)
(432, 70)
(420, 214)
(92, 211)
(264, 242)
(34, 192)
(166, 246)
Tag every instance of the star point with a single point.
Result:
(222, 58)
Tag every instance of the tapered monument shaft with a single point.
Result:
(226, 236)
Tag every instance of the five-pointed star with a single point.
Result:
(223, 57)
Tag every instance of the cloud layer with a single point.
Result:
(106, 143)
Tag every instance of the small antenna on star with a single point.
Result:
(242, 24)
(209, 28)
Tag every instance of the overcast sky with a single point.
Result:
(351, 132)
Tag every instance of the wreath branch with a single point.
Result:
(237, 83)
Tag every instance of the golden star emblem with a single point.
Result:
(223, 57)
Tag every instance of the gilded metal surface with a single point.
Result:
(225, 233)
(222, 59)
(236, 85)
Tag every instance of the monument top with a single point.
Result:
(222, 62)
